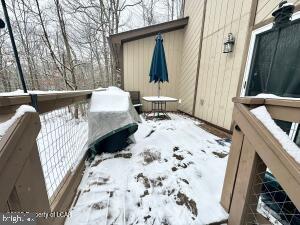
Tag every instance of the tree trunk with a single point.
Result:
(48, 44)
(92, 67)
(106, 60)
(70, 62)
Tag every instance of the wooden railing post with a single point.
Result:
(232, 168)
(244, 199)
(254, 149)
(22, 181)
(284, 168)
(30, 186)
(15, 148)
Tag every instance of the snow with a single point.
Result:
(19, 112)
(20, 92)
(272, 96)
(159, 99)
(263, 115)
(111, 100)
(62, 140)
(173, 174)
(287, 4)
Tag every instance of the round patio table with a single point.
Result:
(159, 105)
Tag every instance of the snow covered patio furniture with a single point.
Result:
(158, 106)
(112, 119)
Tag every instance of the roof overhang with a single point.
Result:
(116, 40)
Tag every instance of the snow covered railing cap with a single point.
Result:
(4, 126)
(286, 109)
(47, 100)
(268, 100)
(262, 114)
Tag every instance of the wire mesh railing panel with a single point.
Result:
(61, 143)
(271, 202)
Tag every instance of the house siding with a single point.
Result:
(219, 73)
(137, 60)
(190, 54)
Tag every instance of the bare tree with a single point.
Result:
(63, 44)
(22, 22)
(69, 61)
(47, 41)
(3, 70)
(148, 12)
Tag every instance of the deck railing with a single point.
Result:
(42, 154)
(256, 154)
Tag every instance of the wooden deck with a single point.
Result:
(253, 149)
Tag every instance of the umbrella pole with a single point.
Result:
(158, 89)
(158, 96)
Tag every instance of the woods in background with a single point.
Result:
(63, 44)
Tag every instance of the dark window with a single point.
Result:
(275, 67)
(284, 125)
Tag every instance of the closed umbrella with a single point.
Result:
(159, 71)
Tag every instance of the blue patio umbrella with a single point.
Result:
(159, 71)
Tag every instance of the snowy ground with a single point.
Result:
(172, 175)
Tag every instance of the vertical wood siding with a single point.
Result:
(137, 61)
(266, 7)
(219, 73)
(190, 54)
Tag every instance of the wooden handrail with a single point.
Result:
(253, 149)
(280, 109)
(21, 178)
(20, 165)
(46, 101)
(282, 165)
(25, 98)
(295, 103)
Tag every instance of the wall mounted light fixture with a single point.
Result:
(229, 43)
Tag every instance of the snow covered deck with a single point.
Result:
(172, 175)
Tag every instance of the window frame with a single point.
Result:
(245, 81)
(254, 35)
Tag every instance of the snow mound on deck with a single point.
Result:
(262, 114)
(172, 175)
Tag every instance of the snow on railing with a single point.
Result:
(261, 185)
(63, 136)
(19, 112)
(264, 116)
